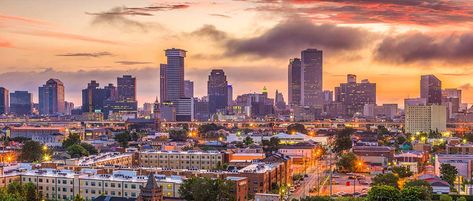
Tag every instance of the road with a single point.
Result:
(311, 181)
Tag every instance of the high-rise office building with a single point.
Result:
(188, 89)
(93, 97)
(452, 99)
(431, 89)
(312, 77)
(125, 105)
(126, 87)
(21, 103)
(279, 99)
(174, 77)
(294, 82)
(217, 90)
(328, 96)
(162, 83)
(354, 96)
(4, 101)
(230, 94)
(51, 98)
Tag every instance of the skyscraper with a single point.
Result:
(230, 94)
(279, 100)
(294, 81)
(4, 101)
(311, 70)
(174, 77)
(21, 103)
(188, 89)
(162, 83)
(126, 87)
(217, 90)
(93, 97)
(51, 97)
(354, 96)
(431, 89)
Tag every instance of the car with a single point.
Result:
(306, 175)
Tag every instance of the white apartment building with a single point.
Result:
(425, 118)
(65, 184)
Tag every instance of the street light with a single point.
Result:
(46, 158)
(45, 147)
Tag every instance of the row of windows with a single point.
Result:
(165, 156)
(186, 162)
(41, 180)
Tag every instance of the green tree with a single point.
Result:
(419, 183)
(205, 128)
(78, 198)
(444, 197)
(30, 192)
(31, 151)
(90, 148)
(415, 193)
(123, 139)
(248, 140)
(271, 145)
(461, 199)
(293, 128)
(384, 193)
(387, 179)
(343, 140)
(178, 135)
(203, 189)
(347, 162)
(316, 198)
(402, 172)
(71, 140)
(448, 173)
(77, 151)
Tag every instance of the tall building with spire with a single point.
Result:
(217, 91)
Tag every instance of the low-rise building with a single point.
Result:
(181, 159)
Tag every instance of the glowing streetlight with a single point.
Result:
(413, 138)
(46, 157)
(45, 147)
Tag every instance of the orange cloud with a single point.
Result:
(68, 36)
(12, 18)
(5, 44)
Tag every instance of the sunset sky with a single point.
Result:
(389, 42)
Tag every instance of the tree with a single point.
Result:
(90, 148)
(31, 151)
(293, 128)
(178, 135)
(347, 162)
(248, 140)
(415, 193)
(203, 189)
(444, 197)
(419, 183)
(78, 198)
(402, 172)
(203, 129)
(271, 145)
(383, 192)
(461, 199)
(71, 140)
(123, 139)
(387, 179)
(30, 192)
(77, 151)
(343, 140)
(448, 173)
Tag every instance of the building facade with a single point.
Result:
(51, 98)
(217, 91)
(312, 77)
(294, 82)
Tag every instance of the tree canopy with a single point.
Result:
(387, 179)
(203, 189)
(448, 173)
(31, 151)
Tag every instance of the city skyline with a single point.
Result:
(102, 41)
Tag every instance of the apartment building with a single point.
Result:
(181, 159)
(65, 184)
(105, 159)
